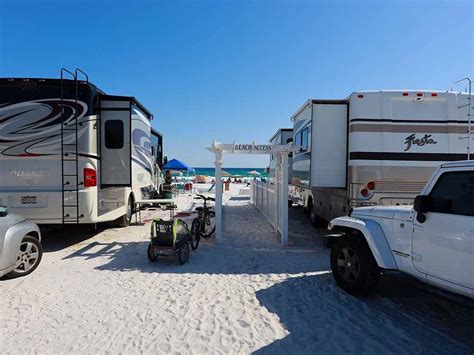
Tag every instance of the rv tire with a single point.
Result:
(316, 221)
(308, 207)
(125, 220)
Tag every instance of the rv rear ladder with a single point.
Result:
(70, 154)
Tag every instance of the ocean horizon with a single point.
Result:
(210, 171)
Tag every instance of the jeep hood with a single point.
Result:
(391, 212)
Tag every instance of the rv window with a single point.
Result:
(298, 138)
(304, 139)
(114, 134)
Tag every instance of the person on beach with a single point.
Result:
(168, 180)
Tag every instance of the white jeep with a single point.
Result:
(432, 240)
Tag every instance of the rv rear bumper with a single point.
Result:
(45, 207)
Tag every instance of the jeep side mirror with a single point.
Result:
(422, 205)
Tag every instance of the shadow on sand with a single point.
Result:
(58, 238)
(208, 259)
(402, 315)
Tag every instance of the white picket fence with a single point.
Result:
(264, 197)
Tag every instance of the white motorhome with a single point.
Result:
(281, 136)
(70, 154)
(374, 148)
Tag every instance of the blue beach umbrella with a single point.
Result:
(175, 164)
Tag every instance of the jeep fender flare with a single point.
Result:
(374, 236)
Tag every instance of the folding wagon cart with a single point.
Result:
(169, 238)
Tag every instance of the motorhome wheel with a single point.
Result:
(125, 220)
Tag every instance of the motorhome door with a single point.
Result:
(115, 145)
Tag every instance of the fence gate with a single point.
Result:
(271, 200)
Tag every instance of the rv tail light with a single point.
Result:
(90, 177)
(364, 192)
(434, 94)
(405, 94)
(360, 96)
(419, 94)
(371, 185)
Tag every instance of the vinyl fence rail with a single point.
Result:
(264, 197)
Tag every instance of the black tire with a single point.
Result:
(353, 266)
(196, 236)
(309, 207)
(126, 219)
(206, 230)
(29, 263)
(290, 203)
(151, 256)
(184, 253)
(316, 221)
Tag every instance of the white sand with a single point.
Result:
(102, 295)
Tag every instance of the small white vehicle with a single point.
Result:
(432, 240)
(20, 245)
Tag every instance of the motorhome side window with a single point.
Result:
(304, 138)
(454, 194)
(114, 134)
(298, 139)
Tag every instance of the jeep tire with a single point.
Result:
(353, 266)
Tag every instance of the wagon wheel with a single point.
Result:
(183, 254)
(151, 256)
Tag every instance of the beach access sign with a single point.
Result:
(253, 147)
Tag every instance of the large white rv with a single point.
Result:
(71, 154)
(281, 136)
(374, 147)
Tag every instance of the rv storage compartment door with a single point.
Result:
(329, 145)
(115, 148)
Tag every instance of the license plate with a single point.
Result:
(29, 200)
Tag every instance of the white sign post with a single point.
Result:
(281, 152)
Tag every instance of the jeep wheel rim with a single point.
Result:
(348, 265)
(27, 257)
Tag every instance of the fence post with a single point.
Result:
(283, 199)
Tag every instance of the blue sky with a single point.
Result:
(237, 70)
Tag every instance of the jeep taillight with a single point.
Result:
(90, 177)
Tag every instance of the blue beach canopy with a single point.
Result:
(175, 164)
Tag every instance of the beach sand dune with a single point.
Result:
(98, 293)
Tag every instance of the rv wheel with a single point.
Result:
(125, 220)
(316, 221)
